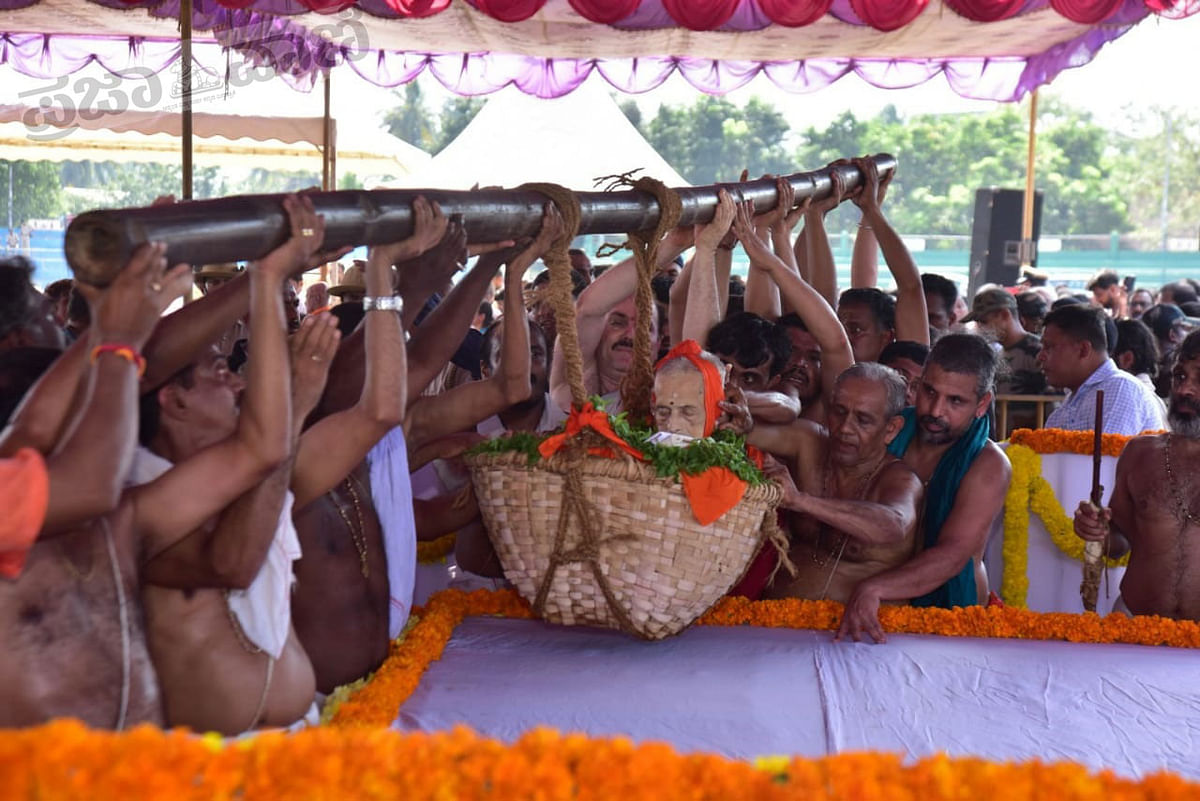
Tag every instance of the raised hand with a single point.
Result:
(429, 228)
(129, 308)
(735, 413)
(709, 236)
(744, 227)
(868, 198)
(785, 200)
(835, 197)
(418, 278)
(312, 351)
(298, 252)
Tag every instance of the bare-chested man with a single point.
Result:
(1153, 513)
(69, 618)
(945, 442)
(230, 661)
(858, 505)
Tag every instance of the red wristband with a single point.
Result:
(126, 352)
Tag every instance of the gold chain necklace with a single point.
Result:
(80, 575)
(238, 631)
(858, 496)
(1181, 508)
(357, 535)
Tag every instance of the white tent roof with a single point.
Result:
(226, 140)
(570, 140)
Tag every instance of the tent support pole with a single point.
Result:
(1027, 245)
(327, 177)
(185, 78)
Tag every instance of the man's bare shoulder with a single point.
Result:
(1143, 447)
(990, 465)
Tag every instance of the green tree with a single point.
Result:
(35, 189)
(457, 113)
(411, 120)
(632, 112)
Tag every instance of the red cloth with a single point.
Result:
(758, 575)
(418, 8)
(1086, 12)
(986, 10)
(712, 493)
(795, 13)
(605, 12)
(703, 16)
(24, 496)
(888, 15)
(510, 10)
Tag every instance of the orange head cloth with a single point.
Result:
(714, 387)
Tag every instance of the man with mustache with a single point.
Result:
(1074, 356)
(945, 441)
(1152, 514)
(858, 506)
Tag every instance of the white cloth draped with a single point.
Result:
(264, 609)
(391, 491)
(1054, 577)
(746, 692)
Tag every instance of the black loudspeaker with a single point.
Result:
(996, 237)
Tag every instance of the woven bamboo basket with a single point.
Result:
(598, 541)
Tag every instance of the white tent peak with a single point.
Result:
(571, 140)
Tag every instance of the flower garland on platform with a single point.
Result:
(65, 760)
(377, 703)
(1029, 491)
(437, 550)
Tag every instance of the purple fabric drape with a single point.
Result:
(300, 53)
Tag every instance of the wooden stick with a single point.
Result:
(1093, 552)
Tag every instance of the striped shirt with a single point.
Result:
(1130, 407)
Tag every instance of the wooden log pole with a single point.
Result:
(99, 243)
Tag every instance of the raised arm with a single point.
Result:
(230, 553)
(91, 445)
(703, 305)
(170, 508)
(912, 317)
(464, 406)
(762, 294)
(822, 323)
(334, 446)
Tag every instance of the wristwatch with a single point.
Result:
(383, 303)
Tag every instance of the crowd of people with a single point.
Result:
(214, 513)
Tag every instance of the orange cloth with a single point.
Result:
(714, 388)
(712, 493)
(587, 417)
(24, 496)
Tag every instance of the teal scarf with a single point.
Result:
(939, 500)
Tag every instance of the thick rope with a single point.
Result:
(638, 385)
(558, 262)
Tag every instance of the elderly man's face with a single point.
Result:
(859, 426)
(614, 354)
(679, 402)
(1184, 415)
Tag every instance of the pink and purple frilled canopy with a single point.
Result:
(988, 49)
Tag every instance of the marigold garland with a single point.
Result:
(1057, 440)
(378, 702)
(64, 760)
(436, 550)
(1029, 491)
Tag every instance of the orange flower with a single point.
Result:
(1056, 440)
(65, 760)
